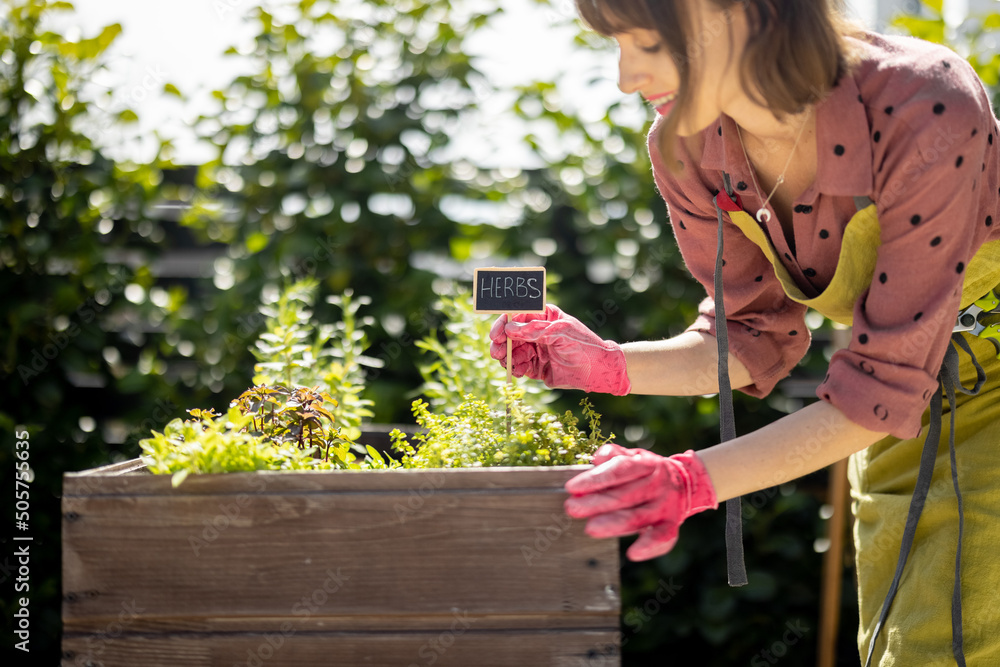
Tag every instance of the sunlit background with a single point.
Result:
(183, 42)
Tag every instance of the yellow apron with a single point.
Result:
(918, 628)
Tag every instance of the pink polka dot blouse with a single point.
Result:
(911, 127)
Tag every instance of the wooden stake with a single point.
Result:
(833, 559)
(506, 290)
(833, 566)
(510, 379)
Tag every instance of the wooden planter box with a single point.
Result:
(411, 568)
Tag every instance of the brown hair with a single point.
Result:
(794, 54)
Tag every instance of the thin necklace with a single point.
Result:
(763, 215)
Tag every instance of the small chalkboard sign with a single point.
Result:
(509, 290)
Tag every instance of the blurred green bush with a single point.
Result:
(75, 254)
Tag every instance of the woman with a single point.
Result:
(849, 172)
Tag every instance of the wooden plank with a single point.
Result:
(136, 483)
(131, 465)
(461, 645)
(415, 567)
(144, 624)
(332, 556)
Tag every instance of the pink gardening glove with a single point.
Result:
(636, 491)
(558, 349)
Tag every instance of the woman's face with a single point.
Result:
(647, 66)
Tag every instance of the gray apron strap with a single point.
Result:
(949, 372)
(948, 381)
(727, 422)
(861, 203)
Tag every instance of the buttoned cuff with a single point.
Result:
(880, 396)
(768, 356)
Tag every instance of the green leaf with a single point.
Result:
(178, 477)
(89, 49)
(256, 242)
(171, 89)
(273, 365)
(461, 248)
(374, 453)
(928, 29)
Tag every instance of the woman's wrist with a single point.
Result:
(685, 365)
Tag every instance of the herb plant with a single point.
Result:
(475, 434)
(304, 411)
(294, 416)
(294, 351)
(305, 408)
(464, 420)
(231, 442)
(459, 365)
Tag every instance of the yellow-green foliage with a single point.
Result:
(296, 351)
(294, 418)
(475, 434)
(461, 365)
(214, 443)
